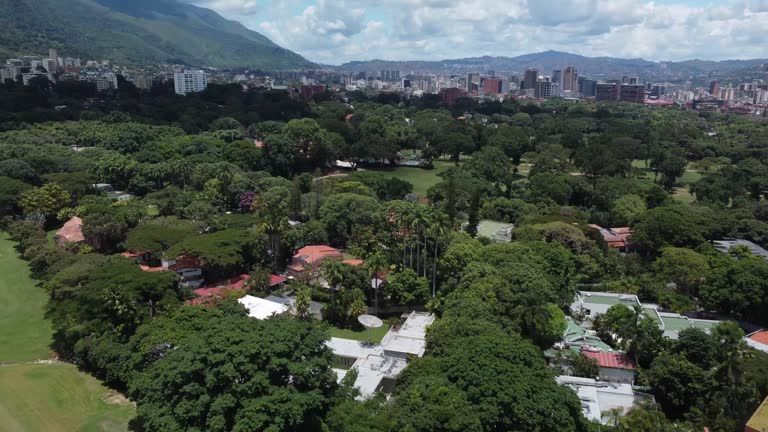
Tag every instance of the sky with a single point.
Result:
(338, 31)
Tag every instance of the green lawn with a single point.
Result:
(25, 334)
(421, 179)
(50, 396)
(57, 397)
(376, 334)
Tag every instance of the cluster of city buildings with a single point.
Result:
(100, 72)
(533, 83)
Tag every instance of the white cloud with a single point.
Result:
(333, 32)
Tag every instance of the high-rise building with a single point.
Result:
(570, 80)
(607, 92)
(54, 55)
(632, 93)
(473, 81)
(308, 91)
(714, 89)
(106, 81)
(390, 75)
(491, 87)
(451, 95)
(49, 65)
(6, 74)
(530, 79)
(190, 82)
(621, 92)
(557, 76)
(629, 80)
(143, 83)
(588, 87)
(545, 89)
(505, 86)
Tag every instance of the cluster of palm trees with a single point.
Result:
(421, 229)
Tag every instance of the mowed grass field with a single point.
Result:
(24, 334)
(44, 396)
(58, 398)
(377, 334)
(421, 179)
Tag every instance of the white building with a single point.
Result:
(190, 82)
(49, 65)
(262, 309)
(599, 398)
(378, 365)
(6, 74)
(106, 81)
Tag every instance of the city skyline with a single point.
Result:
(340, 31)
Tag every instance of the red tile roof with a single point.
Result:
(615, 360)
(276, 280)
(354, 262)
(313, 254)
(72, 231)
(760, 337)
(149, 269)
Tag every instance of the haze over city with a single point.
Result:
(333, 32)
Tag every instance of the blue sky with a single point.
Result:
(337, 31)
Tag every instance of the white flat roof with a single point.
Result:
(261, 309)
(373, 370)
(598, 397)
(352, 348)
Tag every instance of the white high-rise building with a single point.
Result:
(190, 81)
(53, 54)
(49, 65)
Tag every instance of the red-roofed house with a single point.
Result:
(305, 264)
(615, 237)
(758, 340)
(614, 366)
(209, 294)
(71, 232)
(354, 262)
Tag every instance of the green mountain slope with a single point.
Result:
(136, 32)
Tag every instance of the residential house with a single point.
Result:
(615, 237)
(262, 309)
(599, 398)
(305, 264)
(758, 340)
(219, 290)
(189, 268)
(590, 304)
(378, 365)
(724, 246)
(498, 232)
(614, 366)
(71, 232)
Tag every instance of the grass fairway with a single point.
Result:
(43, 397)
(377, 334)
(58, 398)
(25, 334)
(421, 179)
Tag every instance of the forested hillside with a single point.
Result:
(136, 32)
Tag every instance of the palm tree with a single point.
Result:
(374, 264)
(333, 272)
(419, 220)
(439, 228)
(274, 225)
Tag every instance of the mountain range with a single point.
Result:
(137, 32)
(596, 67)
